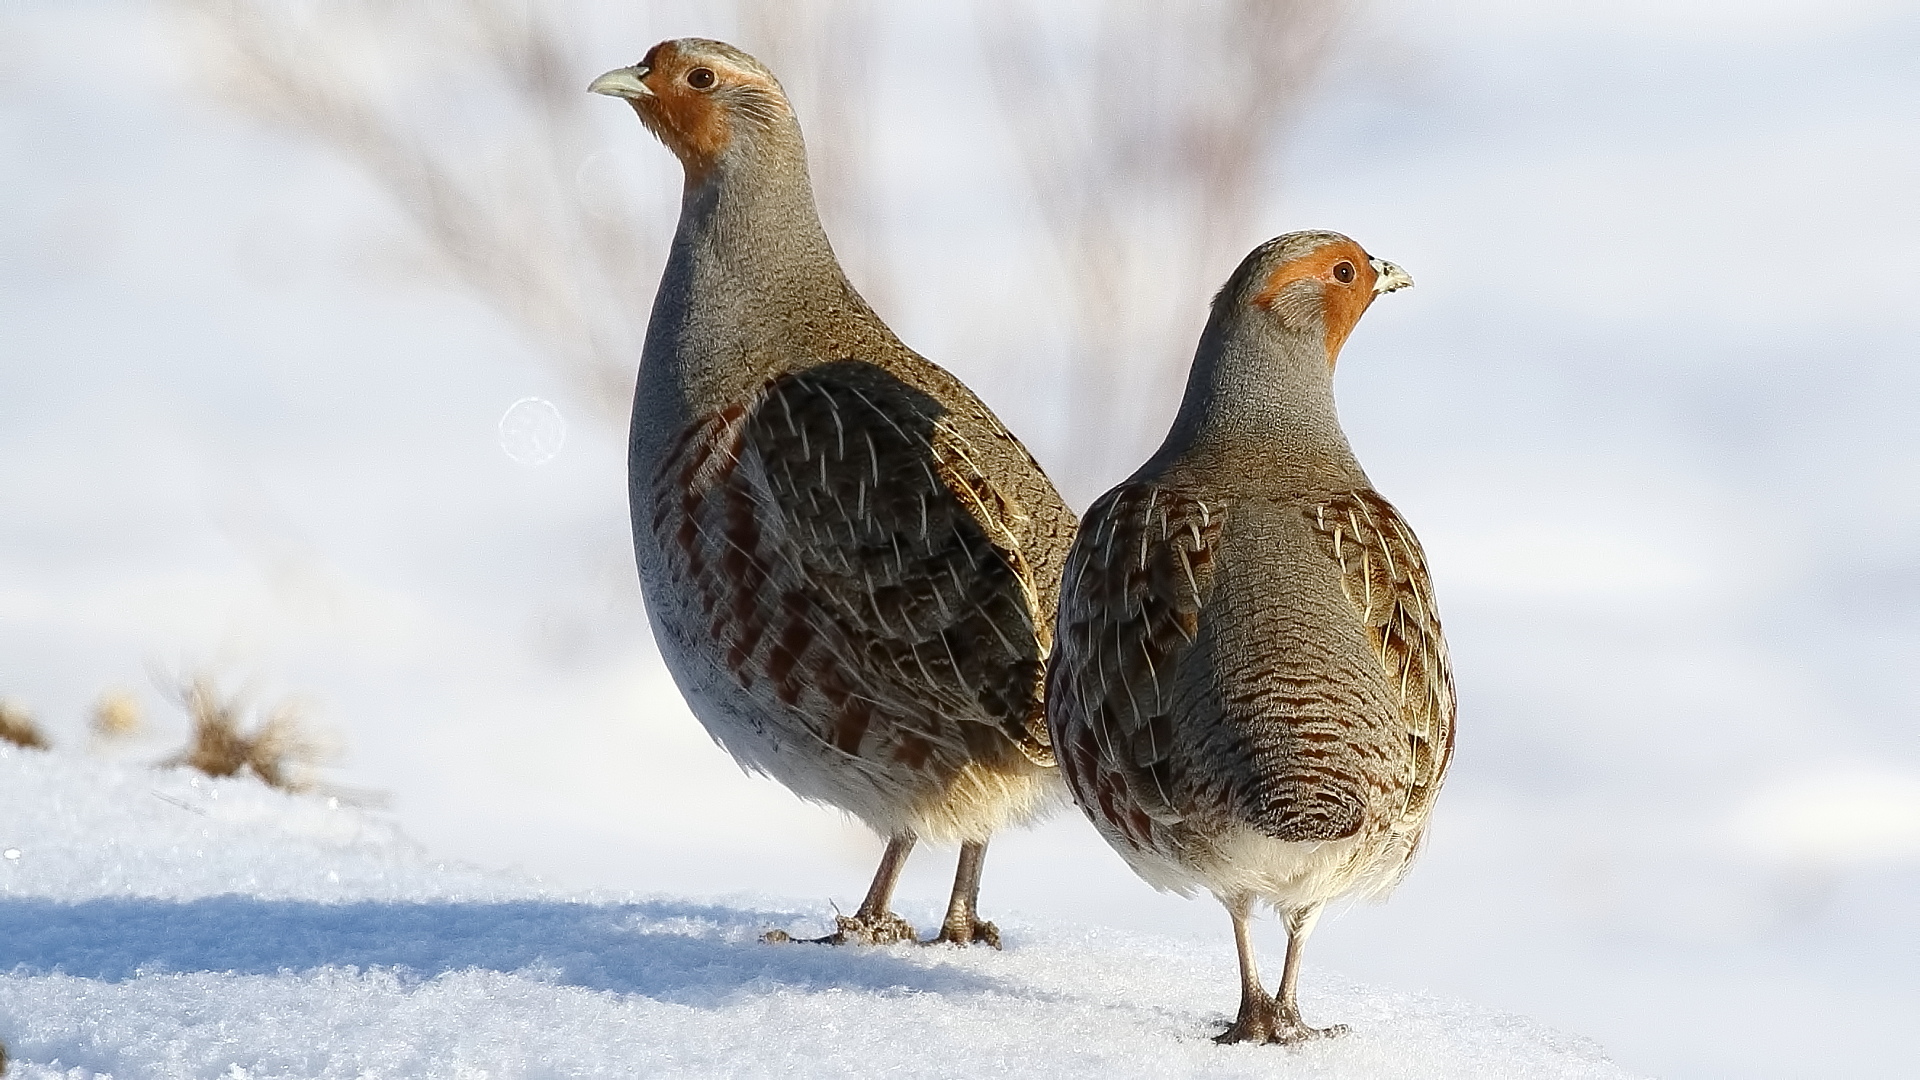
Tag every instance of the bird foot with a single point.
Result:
(1285, 1035)
(885, 928)
(1272, 1025)
(972, 932)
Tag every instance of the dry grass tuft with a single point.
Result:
(116, 716)
(17, 727)
(282, 751)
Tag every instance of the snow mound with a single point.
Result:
(81, 828)
(162, 925)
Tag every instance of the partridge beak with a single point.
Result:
(1388, 277)
(623, 82)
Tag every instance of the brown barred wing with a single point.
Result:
(854, 584)
(1383, 572)
(1140, 573)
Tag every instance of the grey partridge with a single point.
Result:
(851, 567)
(1249, 692)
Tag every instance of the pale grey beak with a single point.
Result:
(622, 82)
(1389, 277)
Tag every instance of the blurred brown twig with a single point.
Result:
(513, 226)
(1148, 132)
(509, 209)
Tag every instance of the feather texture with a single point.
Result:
(1383, 573)
(1203, 684)
(868, 588)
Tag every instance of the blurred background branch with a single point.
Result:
(501, 208)
(1146, 132)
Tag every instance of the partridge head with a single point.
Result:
(707, 101)
(1262, 377)
(1315, 283)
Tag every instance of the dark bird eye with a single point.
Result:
(700, 78)
(1343, 273)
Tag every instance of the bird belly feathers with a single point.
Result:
(1233, 860)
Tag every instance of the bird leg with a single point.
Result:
(963, 925)
(875, 923)
(1262, 1019)
(1287, 1010)
(1255, 1022)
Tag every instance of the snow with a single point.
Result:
(161, 924)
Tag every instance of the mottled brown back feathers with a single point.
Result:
(857, 568)
(1162, 718)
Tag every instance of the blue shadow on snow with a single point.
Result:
(610, 947)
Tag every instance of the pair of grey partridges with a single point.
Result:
(867, 588)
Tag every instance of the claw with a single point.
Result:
(1266, 1022)
(981, 932)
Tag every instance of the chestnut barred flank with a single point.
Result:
(859, 577)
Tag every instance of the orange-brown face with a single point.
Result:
(688, 93)
(1341, 281)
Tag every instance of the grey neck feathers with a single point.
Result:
(751, 287)
(1259, 403)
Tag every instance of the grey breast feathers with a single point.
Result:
(860, 576)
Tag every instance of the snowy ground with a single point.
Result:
(1650, 408)
(159, 924)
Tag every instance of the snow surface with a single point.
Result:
(160, 924)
